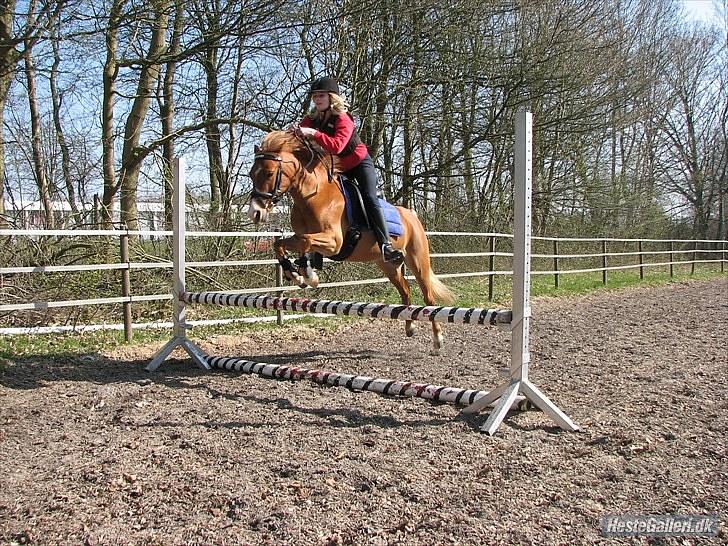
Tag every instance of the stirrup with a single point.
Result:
(392, 255)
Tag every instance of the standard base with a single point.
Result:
(198, 355)
(507, 393)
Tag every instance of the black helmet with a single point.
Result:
(325, 84)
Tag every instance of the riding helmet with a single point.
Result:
(325, 84)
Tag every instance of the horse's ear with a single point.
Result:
(256, 149)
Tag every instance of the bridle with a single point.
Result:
(276, 195)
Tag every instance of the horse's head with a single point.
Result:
(273, 172)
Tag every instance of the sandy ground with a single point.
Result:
(94, 450)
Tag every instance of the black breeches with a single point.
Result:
(366, 175)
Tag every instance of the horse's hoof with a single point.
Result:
(311, 278)
(434, 352)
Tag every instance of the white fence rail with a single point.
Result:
(692, 252)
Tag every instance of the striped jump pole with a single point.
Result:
(388, 387)
(426, 313)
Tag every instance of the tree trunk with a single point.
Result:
(57, 100)
(9, 58)
(107, 115)
(212, 137)
(131, 158)
(5, 79)
(443, 211)
(167, 113)
(39, 169)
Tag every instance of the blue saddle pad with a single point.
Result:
(356, 217)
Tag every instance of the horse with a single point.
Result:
(287, 164)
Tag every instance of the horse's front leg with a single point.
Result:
(306, 270)
(289, 270)
(302, 273)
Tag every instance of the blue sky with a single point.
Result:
(700, 9)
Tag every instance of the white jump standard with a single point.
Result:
(511, 394)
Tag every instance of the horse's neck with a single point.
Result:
(305, 186)
(318, 199)
(310, 185)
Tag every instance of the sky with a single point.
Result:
(701, 10)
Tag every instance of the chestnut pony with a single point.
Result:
(286, 164)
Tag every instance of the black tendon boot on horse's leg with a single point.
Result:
(379, 225)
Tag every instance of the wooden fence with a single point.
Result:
(553, 256)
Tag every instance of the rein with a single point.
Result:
(316, 154)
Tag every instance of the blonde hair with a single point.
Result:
(338, 106)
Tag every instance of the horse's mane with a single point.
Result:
(283, 141)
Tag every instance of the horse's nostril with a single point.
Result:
(257, 217)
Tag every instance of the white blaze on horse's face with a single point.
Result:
(257, 212)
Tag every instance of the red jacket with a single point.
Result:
(335, 144)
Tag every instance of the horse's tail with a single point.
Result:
(442, 293)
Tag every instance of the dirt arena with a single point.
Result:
(94, 450)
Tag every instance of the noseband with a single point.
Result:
(276, 195)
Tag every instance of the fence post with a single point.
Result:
(279, 282)
(722, 257)
(604, 262)
(491, 268)
(642, 270)
(179, 229)
(556, 263)
(126, 285)
(695, 256)
(672, 258)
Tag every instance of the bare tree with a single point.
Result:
(110, 74)
(688, 126)
(18, 31)
(167, 109)
(57, 100)
(39, 167)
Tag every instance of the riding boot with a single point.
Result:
(379, 225)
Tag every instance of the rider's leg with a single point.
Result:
(366, 175)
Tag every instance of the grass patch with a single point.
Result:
(79, 343)
(583, 283)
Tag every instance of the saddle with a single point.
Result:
(358, 219)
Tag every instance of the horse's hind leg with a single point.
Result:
(425, 280)
(396, 277)
(433, 291)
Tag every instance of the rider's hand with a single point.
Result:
(307, 132)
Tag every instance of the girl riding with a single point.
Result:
(332, 127)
